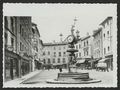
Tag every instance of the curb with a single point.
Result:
(22, 82)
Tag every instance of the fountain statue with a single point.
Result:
(72, 76)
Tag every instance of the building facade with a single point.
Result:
(24, 44)
(85, 52)
(11, 58)
(18, 46)
(55, 55)
(107, 29)
(36, 47)
(97, 44)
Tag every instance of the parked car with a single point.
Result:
(102, 67)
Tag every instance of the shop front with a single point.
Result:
(37, 64)
(25, 65)
(81, 63)
(94, 62)
(11, 65)
(47, 66)
(109, 61)
(64, 66)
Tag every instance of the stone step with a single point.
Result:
(73, 75)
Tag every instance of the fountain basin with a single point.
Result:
(72, 81)
(73, 78)
(70, 75)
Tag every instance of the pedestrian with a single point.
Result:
(60, 69)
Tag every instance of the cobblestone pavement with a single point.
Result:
(39, 80)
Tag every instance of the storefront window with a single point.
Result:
(7, 69)
(25, 67)
(11, 68)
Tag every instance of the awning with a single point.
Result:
(81, 61)
(41, 62)
(73, 66)
(102, 64)
(102, 60)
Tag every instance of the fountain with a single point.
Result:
(72, 76)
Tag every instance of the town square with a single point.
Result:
(59, 45)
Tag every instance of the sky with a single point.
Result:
(53, 19)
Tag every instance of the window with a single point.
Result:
(104, 51)
(58, 60)
(108, 33)
(64, 60)
(6, 22)
(53, 60)
(48, 60)
(12, 27)
(59, 53)
(87, 52)
(64, 53)
(48, 53)
(104, 35)
(12, 42)
(107, 22)
(21, 29)
(6, 36)
(79, 54)
(76, 46)
(63, 47)
(44, 61)
(84, 43)
(54, 54)
(108, 48)
(20, 46)
(87, 42)
(76, 54)
(43, 53)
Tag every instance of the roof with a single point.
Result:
(54, 44)
(108, 18)
(96, 31)
(83, 38)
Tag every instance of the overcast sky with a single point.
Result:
(53, 19)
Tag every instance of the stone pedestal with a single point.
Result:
(73, 78)
(67, 76)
